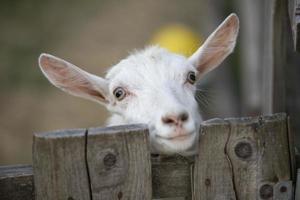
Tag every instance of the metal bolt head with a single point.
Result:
(243, 150)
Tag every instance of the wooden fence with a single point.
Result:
(246, 158)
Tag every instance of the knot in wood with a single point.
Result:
(207, 182)
(243, 150)
(266, 191)
(120, 195)
(70, 198)
(109, 160)
(154, 155)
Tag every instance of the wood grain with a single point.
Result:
(213, 178)
(238, 158)
(119, 163)
(263, 160)
(16, 182)
(280, 66)
(294, 12)
(171, 176)
(59, 165)
(242, 158)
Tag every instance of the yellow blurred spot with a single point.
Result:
(177, 38)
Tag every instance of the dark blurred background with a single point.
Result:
(96, 35)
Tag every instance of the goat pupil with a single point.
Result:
(192, 77)
(119, 93)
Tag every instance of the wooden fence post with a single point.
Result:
(172, 177)
(294, 11)
(119, 163)
(280, 64)
(245, 158)
(59, 165)
(212, 171)
(102, 163)
(242, 158)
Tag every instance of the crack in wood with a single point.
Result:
(230, 162)
(291, 146)
(87, 164)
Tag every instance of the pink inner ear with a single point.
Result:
(69, 78)
(210, 60)
(90, 91)
(218, 46)
(53, 64)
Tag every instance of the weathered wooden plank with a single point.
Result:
(171, 179)
(246, 158)
(171, 176)
(275, 56)
(251, 53)
(119, 163)
(267, 58)
(297, 190)
(259, 153)
(291, 143)
(213, 178)
(280, 65)
(59, 165)
(16, 182)
(294, 11)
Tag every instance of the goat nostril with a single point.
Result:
(168, 120)
(184, 117)
(176, 120)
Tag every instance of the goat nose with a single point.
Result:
(175, 119)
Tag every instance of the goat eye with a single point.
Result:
(191, 77)
(119, 93)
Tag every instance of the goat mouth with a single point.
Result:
(176, 138)
(179, 138)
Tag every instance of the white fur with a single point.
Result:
(156, 86)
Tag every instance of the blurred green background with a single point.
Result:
(93, 35)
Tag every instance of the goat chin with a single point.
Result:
(168, 140)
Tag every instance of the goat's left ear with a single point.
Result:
(217, 46)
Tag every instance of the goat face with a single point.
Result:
(152, 86)
(157, 88)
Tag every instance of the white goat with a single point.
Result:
(152, 86)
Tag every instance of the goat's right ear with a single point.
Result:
(73, 80)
